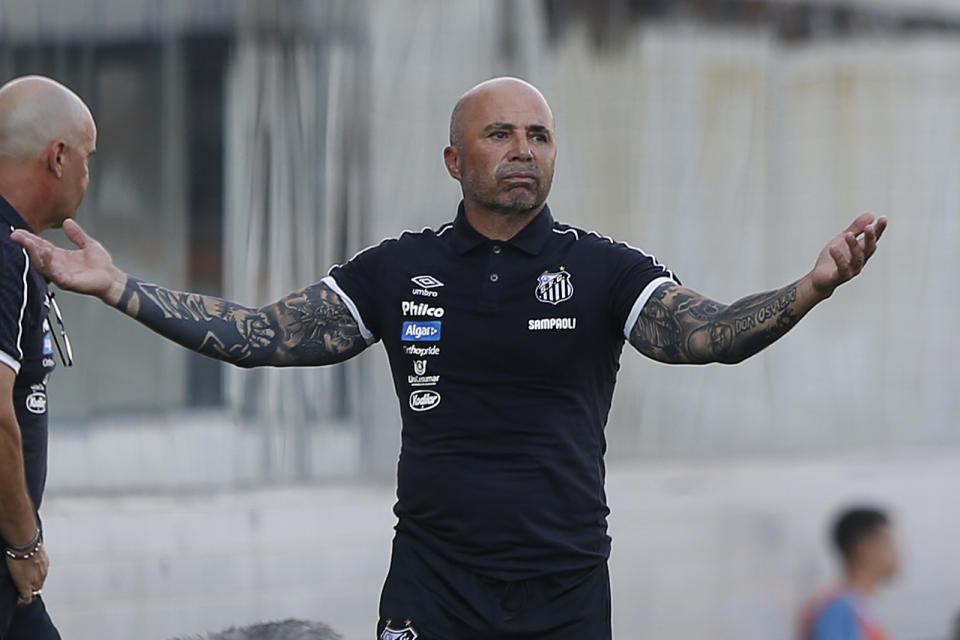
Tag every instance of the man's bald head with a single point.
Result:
(503, 88)
(35, 111)
(502, 149)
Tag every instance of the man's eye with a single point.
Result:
(500, 135)
(540, 138)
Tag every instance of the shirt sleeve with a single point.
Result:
(638, 276)
(356, 284)
(837, 622)
(14, 266)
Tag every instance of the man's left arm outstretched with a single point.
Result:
(680, 326)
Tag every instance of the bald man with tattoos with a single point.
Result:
(504, 330)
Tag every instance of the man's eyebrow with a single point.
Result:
(494, 126)
(497, 126)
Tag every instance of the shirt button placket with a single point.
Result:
(490, 297)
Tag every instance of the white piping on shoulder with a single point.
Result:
(23, 307)
(652, 257)
(446, 227)
(656, 262)
(569, 230)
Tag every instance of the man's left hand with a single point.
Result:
(845, 255)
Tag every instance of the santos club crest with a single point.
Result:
(554, 288)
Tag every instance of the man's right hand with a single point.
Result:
(89, 269)
(29, 575)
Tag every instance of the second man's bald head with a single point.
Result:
(47, 136)
(35, 111)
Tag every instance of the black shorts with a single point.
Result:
(428, 598)
(23, 623)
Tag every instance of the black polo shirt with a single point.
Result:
(504, 358)
(26, 346)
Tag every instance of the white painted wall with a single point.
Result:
(725, 550)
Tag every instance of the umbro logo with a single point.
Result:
(427, 282)
(425, 286)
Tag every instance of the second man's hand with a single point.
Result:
(29, 575)
(88, 269)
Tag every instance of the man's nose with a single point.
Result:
(522, 150)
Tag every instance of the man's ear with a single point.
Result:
(451, 158)
(55, 157)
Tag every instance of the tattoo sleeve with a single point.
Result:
(679, 326)
(308, 327)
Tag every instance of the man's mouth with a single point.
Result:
(521, 179)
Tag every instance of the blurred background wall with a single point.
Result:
(247, 146)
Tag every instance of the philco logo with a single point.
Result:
(411, 308)
(424, 400)
(554, 288)
(421, 331)
(37, 402)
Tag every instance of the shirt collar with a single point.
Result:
(11, 216)
(531, 238)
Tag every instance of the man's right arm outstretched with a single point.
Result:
(308, 327)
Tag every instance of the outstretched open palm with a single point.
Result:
(88, 269)
(847, 253)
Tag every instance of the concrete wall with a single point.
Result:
(725, 550)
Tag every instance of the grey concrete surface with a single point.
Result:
(726, 550)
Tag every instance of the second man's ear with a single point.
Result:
(55, 157)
